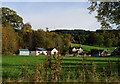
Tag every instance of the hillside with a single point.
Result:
(88, 48)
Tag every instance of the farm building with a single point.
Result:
(23, 52)
(95, 52)
(52, 51)
(77, 49)
(38, 51)
(33, 52)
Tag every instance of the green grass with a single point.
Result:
(88, 48)
(21, 60)
(11, 64)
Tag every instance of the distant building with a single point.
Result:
(75, 49)
(23, 52)
(52, 51)
(38, 51)
(95, 52)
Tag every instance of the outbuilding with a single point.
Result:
(23, 52)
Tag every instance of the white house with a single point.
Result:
(38, 51)
(52, 51)
(75, 49)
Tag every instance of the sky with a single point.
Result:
(55, 15)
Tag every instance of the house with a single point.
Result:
(52, 51)
(75, 49)
(106, 53)
(38, 51)
(95, 52)
(41, 51)
(23, 52)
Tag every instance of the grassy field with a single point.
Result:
(88, 48)
(11, 64)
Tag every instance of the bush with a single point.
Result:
(75, 54)
(8, 53)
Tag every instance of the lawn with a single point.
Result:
(88, 48)
(11, 64)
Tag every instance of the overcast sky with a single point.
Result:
(55, 15)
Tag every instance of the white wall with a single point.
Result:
(23, 52)
(54, 50)
(79, 50)
(40, 52)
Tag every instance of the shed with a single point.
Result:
(23, 52)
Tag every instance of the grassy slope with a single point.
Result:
(88, 48)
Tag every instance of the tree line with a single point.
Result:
(105, 38)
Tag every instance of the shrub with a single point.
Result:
(8, 53)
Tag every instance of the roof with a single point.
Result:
(23, 50)
(77, 47)
(41, 49)
(97, 51)
(50, 49)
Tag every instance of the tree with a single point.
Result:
(58, 42)
(80, 38)
(108, 42)
(108, 13)
(99, 40)
(112, 41)
(47, 29)
(65, 49)
(119, 43)
(39, 38)
(9, 40)
(27, 26)
(10, 17)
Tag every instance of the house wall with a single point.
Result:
(37, 52)
(40, 52)
(32, 52)
(23, 52)
(74, 50)
(80, 50)
(45, 52)
(54, 51)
